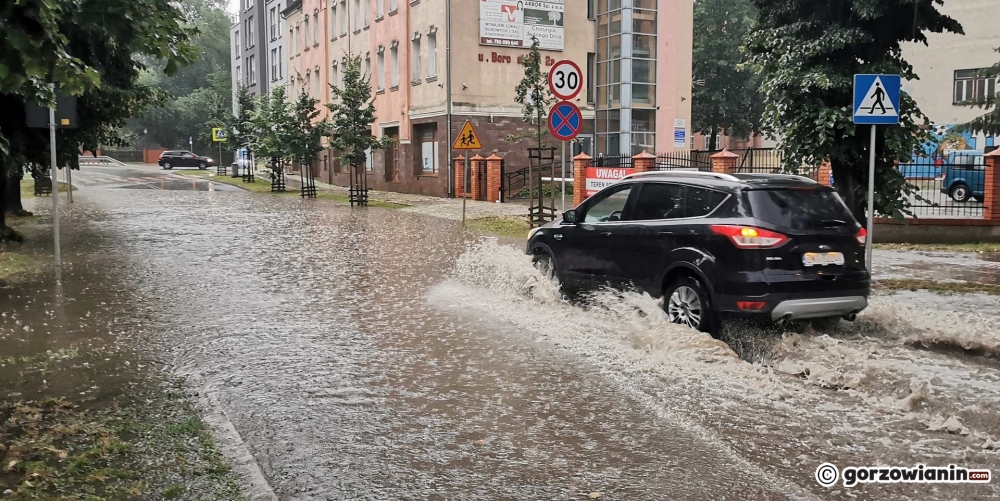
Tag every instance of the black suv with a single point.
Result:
(182, 158)
(767, 247)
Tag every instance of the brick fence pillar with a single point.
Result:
(823, 175)
(644, 162)
(991, 188)
(474, 165)
(493, 181)
(724, 161)
(458, 165)
(580, 164)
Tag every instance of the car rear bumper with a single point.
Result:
(794, 306)
(798, 309)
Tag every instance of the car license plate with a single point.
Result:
(823, 259)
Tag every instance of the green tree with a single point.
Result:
(305, 130)
(274, 130)
(241, 124)
(352, 114)
(807, 53)
(91, 49)
(989, 122)
(533, 95)
(726, 93)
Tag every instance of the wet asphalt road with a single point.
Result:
(372, 354)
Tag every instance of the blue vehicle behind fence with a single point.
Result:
(964, 176)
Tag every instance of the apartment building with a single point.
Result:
(249, 48)
(636, 55)
(277, 58)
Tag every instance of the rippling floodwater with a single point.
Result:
(379, 354)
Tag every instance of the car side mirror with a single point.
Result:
(570, 217)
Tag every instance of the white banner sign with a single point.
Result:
(512, 23)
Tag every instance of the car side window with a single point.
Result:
(675, 201)
(657, 201)
(610, 207)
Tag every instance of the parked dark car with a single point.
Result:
(183, 158)
(765, 247)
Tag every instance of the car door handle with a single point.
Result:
(557, 236)
(605, 233)
(665, 233)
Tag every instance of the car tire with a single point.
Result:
(202, 166)
(686, 302)
(959, 193)
(167, 166)
(545, 264)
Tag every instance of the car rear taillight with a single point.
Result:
(751, 305)
(862, 236)
(748, 237)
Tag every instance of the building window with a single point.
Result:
(425, 136)
(973, 86)
(296, 41)
(415, 58)
(343, 17)
(591, 64)
(274, 64)
(305, 33)
(369, 161)
(281, 26)
(251, 40)
(394, 65)
(239, 76)
(432, 54)
(281, 59)
(253, 70)
(368, 12)
(368, 65)
(309, 82)
(334, 77)
(357, 15)
(380, 68)
(318, 92)
(274, 25)
(238, 44)
(392, 6)
(333, 20)
(379, 9)
(316, 28)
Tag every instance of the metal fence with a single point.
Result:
(622, 161)
(751, 160)
(951, 187)
(131, 156)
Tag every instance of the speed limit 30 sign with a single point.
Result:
(565, 80)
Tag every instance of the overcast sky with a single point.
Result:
(234, 5)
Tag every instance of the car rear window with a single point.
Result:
(799, 208)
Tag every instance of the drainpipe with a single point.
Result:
(447, 58)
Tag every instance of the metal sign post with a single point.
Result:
(563, 175)
(467, 140)
(876, 102)
(69, 184)
(55, 196)
(565, 82)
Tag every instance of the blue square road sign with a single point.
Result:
(876, 99)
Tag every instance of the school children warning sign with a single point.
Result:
(599, 178)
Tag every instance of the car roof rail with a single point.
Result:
(680, 173)
(780, 176)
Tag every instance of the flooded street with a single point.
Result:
(388, 354)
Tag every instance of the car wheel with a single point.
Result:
(545, 265)
(960, 193)
(202, 166)
(686, 303)
(167, 166)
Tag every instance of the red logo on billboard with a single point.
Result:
(511, 11)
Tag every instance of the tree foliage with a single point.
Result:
(807, 53)
(271, 128)
(726, 93)
(305, 130)
(241, 125)
(534, 96)
(352, 114)
(92, 49)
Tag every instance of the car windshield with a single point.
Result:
(800, 208)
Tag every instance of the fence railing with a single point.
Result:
(623, 161)
(131, 156)
(952, 188)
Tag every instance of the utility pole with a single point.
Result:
(55, 193)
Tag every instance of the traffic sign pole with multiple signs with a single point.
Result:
(220, 136)
(565, 119)
(467, 140)
(876, 102)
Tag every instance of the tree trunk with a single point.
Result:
(3, 203)
(12, 196)
(847, 184)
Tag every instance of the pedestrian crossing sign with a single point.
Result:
(467, 139)
(219, 135)
(876, 99)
